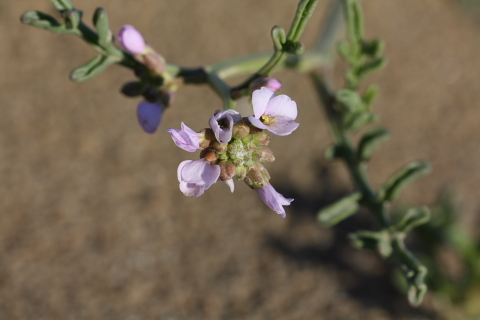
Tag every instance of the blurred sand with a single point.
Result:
(93, 226)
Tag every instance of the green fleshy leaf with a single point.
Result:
(279, 37)
(371, 66)
(378, 241)
(413, 218)
(373, 48)
(72, 18)
(354, 18)
(417, 288)
(100, 20)
(42, 20)
(358, 120)
(339, 210)
(370, 94)
(370, 141)
(402, 178)
(350, 99)
(62, 5)
(92, 68)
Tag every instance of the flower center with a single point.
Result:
(267, 120)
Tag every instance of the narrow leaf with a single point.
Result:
(378, 241)
(402, 178)
(358, 120)
(339, 210)
(350, 99)
(42, 20)
(370, 141)
(373, 48)
(100, 20)
(72, 18)
(413, 218)
(92, 68)
(371, 66)
(62, 5)
(370, 94)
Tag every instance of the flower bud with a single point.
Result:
(206, 138)
(208, 155)
(131, 39)
(257, 176)
(133, 88)
(263, 154)
(270, 83)
(240, 130)
(241, 172)
(227, 170)
(154, 61)
(262, 138)
(220, 147)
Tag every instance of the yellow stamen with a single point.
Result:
(267, 120)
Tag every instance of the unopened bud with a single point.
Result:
(227, 170)
(220, 147)
(206, 138)
(263, 154)
(257, 176)
(208, 155)
(270, 83)
(133, 89)
(154, 62)
(240, 130)
(262, 138)
(241, 172)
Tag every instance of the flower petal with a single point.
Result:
(149, 115)
(273, 199)
(282, 106)
(257, 123)
(131, 39)
(223, 133)
(260, 99)
(196, 176)
(283, 127)
(186, 139)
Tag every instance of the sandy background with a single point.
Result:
(93, 226)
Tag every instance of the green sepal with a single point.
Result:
(350, 99)
(402, 178)
(62, 5)
(100, 20)
(413, 218)
(279, 37)
(373, 48)
(370, 94)
(92, 68)
(339, 210)
(72, 18)
(370, 141)
(133, 88)
(358, 120)
(378, 241)
(44, 21)
(371, 66)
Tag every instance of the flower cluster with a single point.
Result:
(235, 148)
(149, 111)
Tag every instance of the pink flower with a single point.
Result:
(197, 176)
(149, 115)
(132, 40)
(273, 113)
(271, 83)
(187, 139)
(273, 199)
(222, 123)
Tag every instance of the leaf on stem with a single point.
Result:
(62, 5)
(72, 18)
(100, 20)
(374, 240)
(42, 20)
(402, 178)
(370, 141)
(412, 219)
(92, 68)
(339, 210)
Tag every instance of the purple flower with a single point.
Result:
(273, 199)
(132, 40)
(274, 113)
(149, 115)
(222, 123)
(197, 176)
(271, 83)
(187, 139)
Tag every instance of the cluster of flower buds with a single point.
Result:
(152, 85)
(234, 148)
